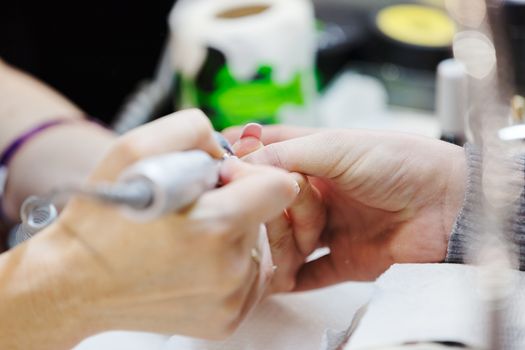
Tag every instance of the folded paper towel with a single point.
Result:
(435, 303)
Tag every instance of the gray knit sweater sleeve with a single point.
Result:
(468, 223)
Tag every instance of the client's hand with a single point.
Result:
(375, 198)
(190, 273)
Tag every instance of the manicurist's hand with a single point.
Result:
(373, 198)
(191, 273)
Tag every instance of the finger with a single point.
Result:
(326, 154)
(185, 130)
(307, 215)
(318, 274)
(345, 262)
(295, 235)
(251, 195)
(252, 130)
(284, 253)
(272, 133)
(249, 140)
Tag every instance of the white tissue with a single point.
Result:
(434, 302)
(282, 36)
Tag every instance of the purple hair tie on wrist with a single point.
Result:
(10, 151)
(8, 154)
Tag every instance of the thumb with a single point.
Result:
(317, 274)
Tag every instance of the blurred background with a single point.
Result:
(374, 62)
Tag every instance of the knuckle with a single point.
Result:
(128, 148)
(200, 123)
(288, 188)
(229, 213)
(273, 155)
(196, 113)
(234, 277)
(219, 229)
(219, 217)
(215, 221)
(236, 272)
(279, 240)
(269, 155)
(276, 182)
(283, 183)
(225, 222)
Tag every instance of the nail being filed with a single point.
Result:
(225, 145)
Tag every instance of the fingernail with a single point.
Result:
(224, 143)
(297, 188)
(246, 146)
(298, 178)
(252, 130)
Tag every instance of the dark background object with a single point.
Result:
(514, 12)
(406, 70)
(406, 87)
(97, 52)
(94, 52)
(351, 40)
(384, 49)
(343, 30)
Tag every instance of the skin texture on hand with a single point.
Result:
(374, 198)
(189, 273)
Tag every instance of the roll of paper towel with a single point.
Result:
(245, 60)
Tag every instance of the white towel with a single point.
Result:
(435, 302)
